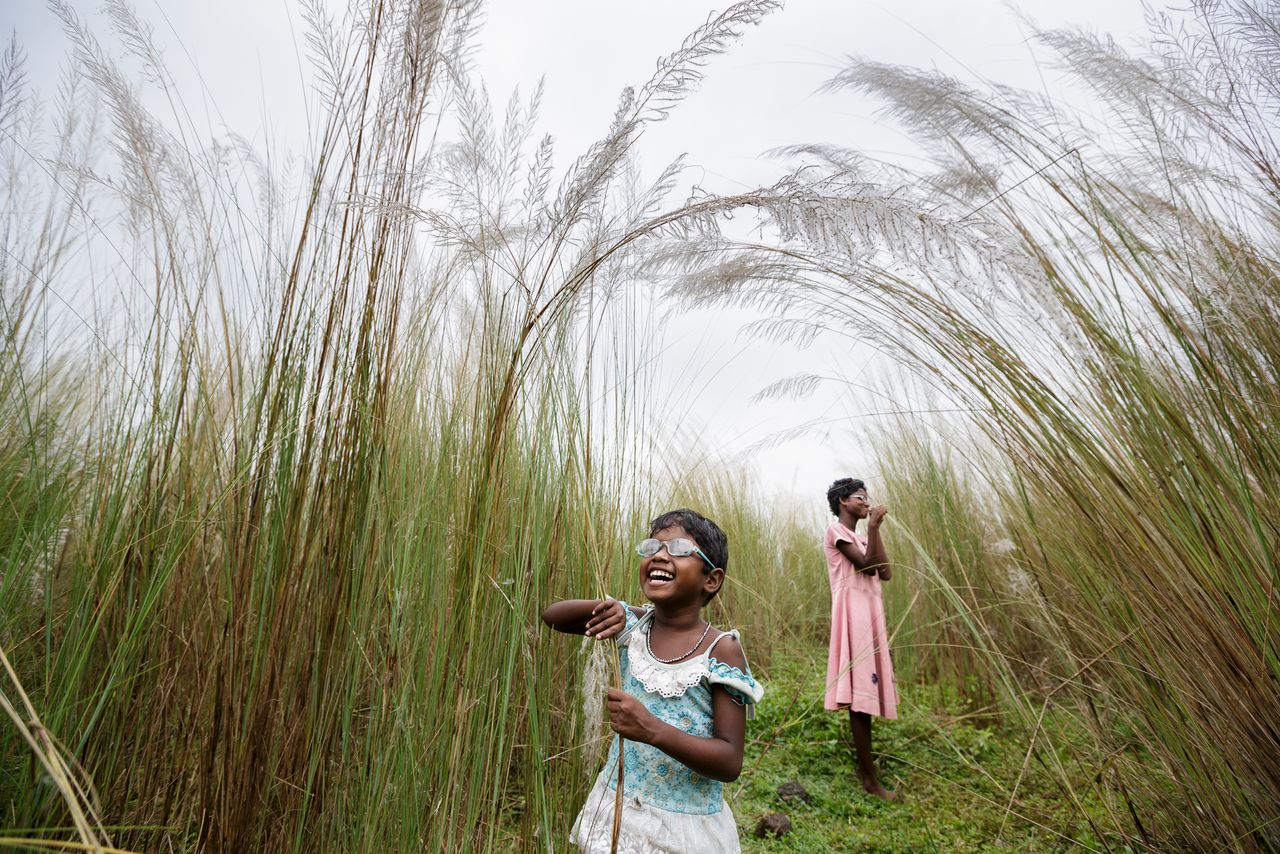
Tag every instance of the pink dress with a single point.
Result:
(859, 673)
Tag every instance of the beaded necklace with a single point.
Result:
(697, 644)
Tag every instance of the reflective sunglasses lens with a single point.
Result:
(680, 547)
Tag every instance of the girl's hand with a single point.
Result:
(607, 619)
(876, 515)
(629, 718)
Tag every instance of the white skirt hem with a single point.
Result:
(649, 830)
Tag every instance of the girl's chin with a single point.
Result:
(658, 592)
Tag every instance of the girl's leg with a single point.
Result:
(860, 723)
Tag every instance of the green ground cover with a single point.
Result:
(956, 771)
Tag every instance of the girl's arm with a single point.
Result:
(719, 756)
(876, 555)
(597, 618)
(875, 561)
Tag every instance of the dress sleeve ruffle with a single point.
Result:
(742, 687)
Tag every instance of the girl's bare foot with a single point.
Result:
(875, 787)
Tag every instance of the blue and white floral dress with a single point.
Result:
(667, 807)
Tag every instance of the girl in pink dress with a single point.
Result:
(859, 673)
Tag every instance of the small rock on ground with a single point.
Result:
(774, 823)
(792, 790)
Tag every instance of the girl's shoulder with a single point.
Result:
(726, 648)
(634, 616)
(838, 532)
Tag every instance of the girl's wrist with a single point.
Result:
(654, 732)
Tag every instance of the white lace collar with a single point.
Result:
(669, 680)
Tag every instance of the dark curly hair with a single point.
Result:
(705, 533)
(842, 488)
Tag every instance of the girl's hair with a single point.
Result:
(705, 533)
(842, 488)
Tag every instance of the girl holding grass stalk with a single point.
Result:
(859, 673)
(681, 711)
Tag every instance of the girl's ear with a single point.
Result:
(713, 581)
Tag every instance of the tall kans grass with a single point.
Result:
(1099, 535)
(275, 539)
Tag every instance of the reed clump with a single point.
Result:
(1100, 298)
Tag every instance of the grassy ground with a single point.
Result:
(955, 771)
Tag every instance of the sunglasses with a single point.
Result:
(679, 547)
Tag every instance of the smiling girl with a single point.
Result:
(682, 709)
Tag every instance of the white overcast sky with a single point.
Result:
(240, 63)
